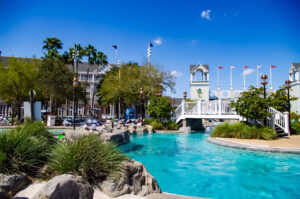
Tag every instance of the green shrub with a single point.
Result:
(243, 131)
(25, 149)
(89, 157)
(295, 127)
(157, 125)
(148, 121)
(268, 133)
(172, 126)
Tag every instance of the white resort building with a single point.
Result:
(294, 76)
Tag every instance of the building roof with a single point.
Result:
(4, 59)
(82, 67)
(193, 67)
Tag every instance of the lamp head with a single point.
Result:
(264, 79)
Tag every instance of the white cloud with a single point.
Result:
(175, 73)
(158, 41)
(205, 14)
(248, 71)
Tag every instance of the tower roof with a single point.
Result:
(195, 67)
(295, 67)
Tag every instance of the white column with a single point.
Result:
(182, 107)
(216, 107)
(199, 107)
(287, 123)
(220, 106)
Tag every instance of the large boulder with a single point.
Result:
(138, 129)
(79, 132)
(119, 137)
(135, 180)
(186, 129)
(11, 184)
(65, 186)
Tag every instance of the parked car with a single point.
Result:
(90, 120)
(69, 122)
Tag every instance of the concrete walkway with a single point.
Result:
(168, 196)
(289, 144)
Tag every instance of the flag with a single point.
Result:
(150, 45)
(273, 66)
(232, 67)
(115, 47)
(258, 66)
(246, 67)
(220, 67)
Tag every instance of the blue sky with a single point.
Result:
(218, 33)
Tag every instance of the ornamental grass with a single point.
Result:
(89, 157)
(243, 131)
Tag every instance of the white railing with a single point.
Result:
(178, 111)
(214, 107)
(220, 107)
(280, 119)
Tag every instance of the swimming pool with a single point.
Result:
(187, 164)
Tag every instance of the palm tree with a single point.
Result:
(91, 54)
(101, 59)
(52, 44)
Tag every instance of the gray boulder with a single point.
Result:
(186, 129)
(65, 187)
(11, 184)
(135, 180)
(119, 137)
(138, 129)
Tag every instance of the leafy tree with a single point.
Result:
(160, 108)
(16, 79)
(127, 86)
(55, 81)
(52, 45)
(251, 104)
(279, 99)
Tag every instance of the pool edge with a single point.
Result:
(254, 147)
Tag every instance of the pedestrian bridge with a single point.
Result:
(213, 109)
(221, 109)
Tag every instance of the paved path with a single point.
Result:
(283, 145)
(168, 196)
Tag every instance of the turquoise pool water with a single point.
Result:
(187, 164)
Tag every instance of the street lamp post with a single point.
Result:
(142, 102)
(75, 84)
(264, 82)
(159, 94)
(288, 87)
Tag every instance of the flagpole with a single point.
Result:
(257, 83)
(231, 88)
(271, 85)
(149, 54)
(244, 79)
(218, 79)
(119, 65)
